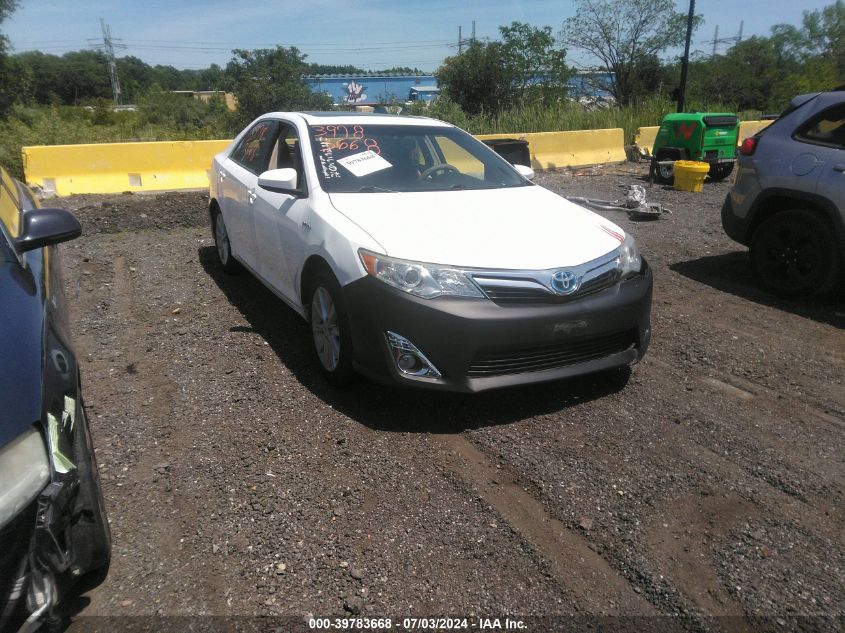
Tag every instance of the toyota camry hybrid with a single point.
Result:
(420, 257)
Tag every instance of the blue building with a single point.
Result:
(375, 89)
(372, 89)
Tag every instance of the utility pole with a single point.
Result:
(715, 40)
(725, 40)
(108, 47)
(685, 63)
(462, 41)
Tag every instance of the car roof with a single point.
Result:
(352, 118)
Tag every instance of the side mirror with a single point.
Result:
(44, 227)
(524, 171)
(279, 180)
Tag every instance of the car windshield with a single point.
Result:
(369, 158)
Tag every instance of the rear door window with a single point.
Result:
(253, 152)
(828, 128)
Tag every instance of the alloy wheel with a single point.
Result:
(325, 328)
(222, 240)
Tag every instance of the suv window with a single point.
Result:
(828, 128)
(10, 206)
(253, 152)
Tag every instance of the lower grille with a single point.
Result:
(515, 360)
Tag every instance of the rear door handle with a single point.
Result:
(222, 175)
(840, 168)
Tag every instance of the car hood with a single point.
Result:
(20, 351)
(519, 228)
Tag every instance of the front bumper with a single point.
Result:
(478, 345)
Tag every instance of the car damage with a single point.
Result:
(52, 518)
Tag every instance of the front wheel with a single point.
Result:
(794, 254)
(330, 332)
(223, 246)
(91, 535)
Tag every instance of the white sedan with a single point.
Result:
(420, 257)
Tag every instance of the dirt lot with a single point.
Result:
(237, 483)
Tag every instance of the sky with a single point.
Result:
(370, 34)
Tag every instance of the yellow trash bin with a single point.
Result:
(689, 174)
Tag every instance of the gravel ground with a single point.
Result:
(708, 484)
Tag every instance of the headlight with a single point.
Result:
(24, 472)
(421, 280)
(630, 261)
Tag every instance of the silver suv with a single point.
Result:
(787, 203)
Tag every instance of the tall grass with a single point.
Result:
(68, 125)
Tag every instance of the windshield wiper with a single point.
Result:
(373, 189)
(457, 187)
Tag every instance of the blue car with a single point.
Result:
(54, 535)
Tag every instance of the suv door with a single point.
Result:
(827, 132)
(249, 159)
(279, 219)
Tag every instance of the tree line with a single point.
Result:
(627, 39)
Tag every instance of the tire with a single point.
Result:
(223, 247)
(331, 336)
(91, 533)
(663, 174)
(720, 171)
(794, 254)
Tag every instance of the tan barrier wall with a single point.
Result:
(118, 167)
(551, 150)
(750, 128)
(645, 136)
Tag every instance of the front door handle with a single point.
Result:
(840, 168)
(251, 196)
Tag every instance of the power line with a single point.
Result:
(724, 40)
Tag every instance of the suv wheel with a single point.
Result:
(794, 254)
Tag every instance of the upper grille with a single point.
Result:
(514, 360)
(504, 293)
(532, 287)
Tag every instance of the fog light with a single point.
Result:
(409, 359)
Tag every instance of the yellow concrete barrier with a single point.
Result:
(645, 136)
(119, 167)
(551, 150)
(168, 165)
